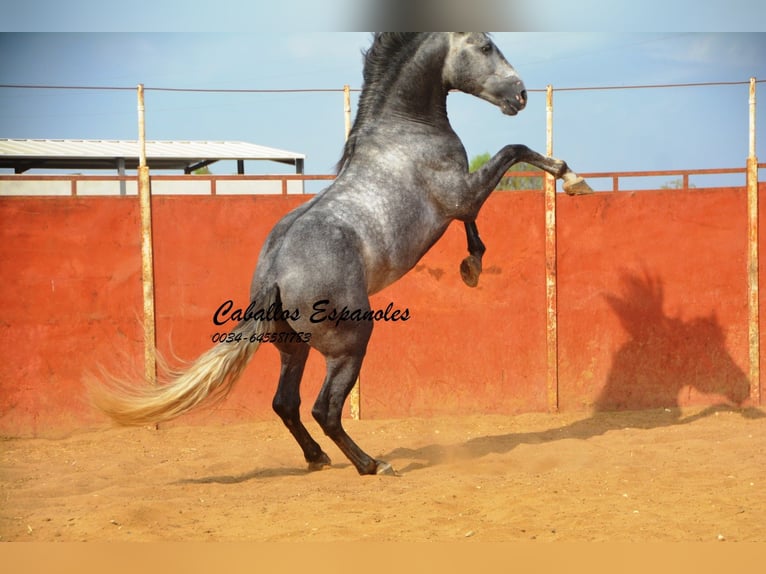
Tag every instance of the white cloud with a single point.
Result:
(729, 49)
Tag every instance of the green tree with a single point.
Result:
(676, 184)
(510, 182)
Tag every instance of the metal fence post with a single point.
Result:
(551, 320)
(353, 398)
(752, 259)
(147, 256)
(347, 108)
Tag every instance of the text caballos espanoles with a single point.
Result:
(321, 312)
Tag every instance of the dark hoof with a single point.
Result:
(386, 469)
(470, 269)
(320, 464)
(576, 185)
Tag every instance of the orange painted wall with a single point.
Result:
(68, 295)
(652, 305)
(652, 299)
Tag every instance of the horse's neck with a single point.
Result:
(419, 93)
(414, 108)
(404, 111)
(416, 89)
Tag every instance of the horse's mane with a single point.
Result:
(382, 62)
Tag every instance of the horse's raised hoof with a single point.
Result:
(321, 464)
(575, 185)
(386, 469)
(470, 269)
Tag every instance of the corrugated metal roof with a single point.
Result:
(24, 154)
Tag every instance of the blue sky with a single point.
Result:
(593, 130)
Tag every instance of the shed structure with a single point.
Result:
(22, 155)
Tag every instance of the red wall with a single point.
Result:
(651, 296)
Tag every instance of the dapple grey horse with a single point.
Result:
(402, 179)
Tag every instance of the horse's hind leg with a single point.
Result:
(342, 372)
(470, 267)
(287, 402)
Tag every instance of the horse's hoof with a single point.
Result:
(470, 269)
(386, 469)
(321, 464)
(576, 185)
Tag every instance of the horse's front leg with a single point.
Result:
(486, 179)
(573, 184)
(470, 267)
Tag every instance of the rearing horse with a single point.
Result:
(402, 179)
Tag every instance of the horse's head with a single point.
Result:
(475, 66)
(714, 368)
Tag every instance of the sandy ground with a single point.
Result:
(698, 475)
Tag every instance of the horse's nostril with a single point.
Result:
(523, 97)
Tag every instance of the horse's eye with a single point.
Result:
(486, 48)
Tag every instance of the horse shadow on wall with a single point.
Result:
(664, 359)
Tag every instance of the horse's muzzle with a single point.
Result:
(513, 104)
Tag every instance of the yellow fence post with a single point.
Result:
(551, 320)
(354, 398)
(752, 260)
(147, 256)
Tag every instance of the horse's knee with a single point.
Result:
(330, 425)
(286, 409)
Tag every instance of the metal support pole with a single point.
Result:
(551, 319)
(752, 260)
(353, 398)
(347, 108)
(147, 256)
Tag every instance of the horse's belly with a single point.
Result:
(395, 263)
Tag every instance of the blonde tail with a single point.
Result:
(208, 379)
